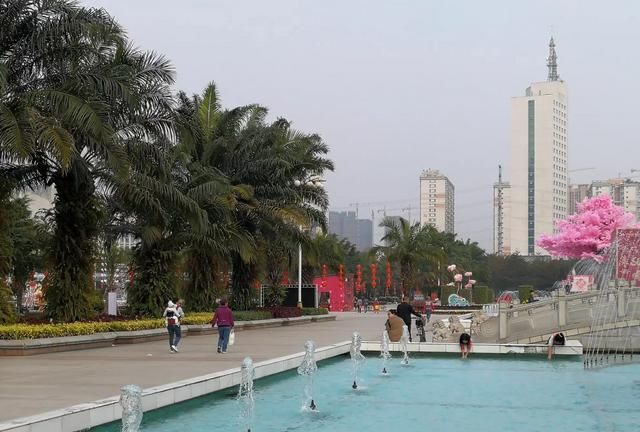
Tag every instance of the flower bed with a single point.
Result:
(283, 311)
(38, 331)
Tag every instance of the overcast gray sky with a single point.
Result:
(395, 87)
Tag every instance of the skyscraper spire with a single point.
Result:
(552, 62)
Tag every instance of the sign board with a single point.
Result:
(112, 303)
(581, 283)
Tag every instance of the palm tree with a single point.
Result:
(264, 161)
(408, 246)
(73, 95)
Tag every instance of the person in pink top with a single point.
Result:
(223, 318)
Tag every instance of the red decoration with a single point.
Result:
(341, 276)
(387, 283)
(285, 278)
(358, 278)
(374, 275)
(324, 276)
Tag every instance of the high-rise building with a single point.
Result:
(577, 193)
(437, 201)
(539, 149)
(501, 216)
(357, 231)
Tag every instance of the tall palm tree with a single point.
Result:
(265, 160)
(72, 95)
(409, 246)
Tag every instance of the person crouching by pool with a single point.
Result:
(223, 317)
(394, 326)
(465, 344)
(556, 339)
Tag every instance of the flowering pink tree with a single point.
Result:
(589, 232)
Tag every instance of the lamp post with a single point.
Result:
(309, 182)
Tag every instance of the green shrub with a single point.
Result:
(7, 309)
(314, 311)
(524, 292)
(483, 295)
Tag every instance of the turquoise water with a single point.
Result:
(432, 393)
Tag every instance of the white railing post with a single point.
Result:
(562, 308)
(503, 320)
(620, 294)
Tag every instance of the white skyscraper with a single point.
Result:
(538, 160)
(437, 201)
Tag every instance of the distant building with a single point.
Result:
(539, 152)
(577, 193)
(624, 192)
(358, 231)
(502, 221)
(41, 199)
(437, 201)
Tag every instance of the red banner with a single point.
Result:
(358, 278)
(628, 256)
(387, 282)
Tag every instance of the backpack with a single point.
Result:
(171, 318)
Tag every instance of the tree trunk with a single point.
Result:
(244, 275)
(155, 281)
(70, 295)
(201, 289)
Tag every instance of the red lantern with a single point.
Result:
(341, 277)
(285, 278)
(387, 285)
(374, 275)
(358, 278)
(324, 276)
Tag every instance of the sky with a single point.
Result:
(397, 87)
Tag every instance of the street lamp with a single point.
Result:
(309, 182)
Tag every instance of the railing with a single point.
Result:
(562, 311)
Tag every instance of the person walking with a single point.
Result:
(428, 310)
(359, 305)
(172, 321)
(404, 311)
(223, 318)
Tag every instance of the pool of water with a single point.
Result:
(431, 393)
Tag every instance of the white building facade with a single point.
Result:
(437, 201)
(539, 152)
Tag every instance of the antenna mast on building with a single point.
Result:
(500, 216)
(552, 62)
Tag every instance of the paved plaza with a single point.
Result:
(40, 383)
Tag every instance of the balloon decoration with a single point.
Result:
(358, 278)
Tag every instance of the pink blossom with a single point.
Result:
(457, 277)
(468, 286)
(472, 281)
(589, 232)
(451, 268)
(468, 274)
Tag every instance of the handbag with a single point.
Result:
(232, 337)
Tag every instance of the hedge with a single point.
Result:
(314, 311)
(38, 331)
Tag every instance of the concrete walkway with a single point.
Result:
(35, 384)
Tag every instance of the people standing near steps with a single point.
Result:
(223, 318)
(404, 311)
(172, 321)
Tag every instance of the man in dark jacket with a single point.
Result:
(404, 311)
